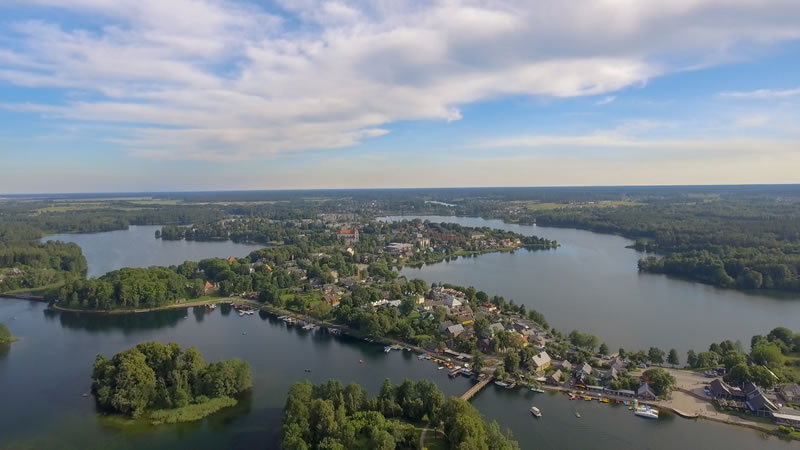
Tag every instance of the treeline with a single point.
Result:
(252, 230)
(331, 416)
(32, 264)
(770, 356)
(152, 376)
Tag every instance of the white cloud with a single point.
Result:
(217, 79)
(606, 100)
(762, 94)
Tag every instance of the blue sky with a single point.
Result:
(107, 95)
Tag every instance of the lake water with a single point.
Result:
(591, 283)
(137, 247)
(44, 375)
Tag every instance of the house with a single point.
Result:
(231, 259)
(646, 392)
(485, 345)
(757, 402)
(496, 328)
(209, 288)
(348, 235)
(477, 235)
(541, 361)
(611, 375)
(455, 330)
(400, 249)
(618, 364)
(555, 378)
(444, 326)
(791, 393)
(332, 299)
(722, 390)
(585, 370)
(451, 301)
(565, 365)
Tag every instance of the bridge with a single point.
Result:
(476, 388)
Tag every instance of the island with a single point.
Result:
(161, 383)
(5, 335)
(406, 416)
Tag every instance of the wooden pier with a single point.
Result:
(476, 388)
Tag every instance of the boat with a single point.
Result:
(588, 399)
(578, 415)
(646, 412)
(441, 367)
(387, 349)
(605, 400)
(535, 411)
(308, 370)
(510, 385)
(501, 384)
(540, 391)
(244, 333)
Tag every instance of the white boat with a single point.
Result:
(535, 411)
(501, 384)
(646, 412)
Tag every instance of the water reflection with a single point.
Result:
(4, 350)
(96, 323)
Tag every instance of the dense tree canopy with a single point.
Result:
(332, 416)
(152, 376)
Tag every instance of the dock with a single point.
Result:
(35, 298)
(476, 388)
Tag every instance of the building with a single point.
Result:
(791, 393)
(348, 235)
(451, 301)
(555, 378)
(209, 288)
(565, 365)
(646, 392)
(541, 361)
(757, 402)
(455, 330)
(787, 419)
(400, 249)
(231, 259)
(722, 390)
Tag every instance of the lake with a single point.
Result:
(137, 247)
(591, 283)
(44, 375)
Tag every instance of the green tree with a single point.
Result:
(673, 358)
(733, 358)
(768, 354)
(691, 358)
(660, 380)
(5, 334)
(603, 349)
(762, 377)
(707, 359)
(478, 362)
(655, 355)
(738, 374)
(511, 362)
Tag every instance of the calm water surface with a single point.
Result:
(137, 247)
(44, 375)
(591, 283)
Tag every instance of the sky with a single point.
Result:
(153, 95)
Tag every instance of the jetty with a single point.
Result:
(35, 298)
(476, 388)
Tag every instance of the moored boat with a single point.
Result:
(646, 412)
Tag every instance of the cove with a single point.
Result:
(591, 283)
(137, 247)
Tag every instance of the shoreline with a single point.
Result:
(189, 304)
(720, 417)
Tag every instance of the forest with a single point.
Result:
(152, 376)
(331, 416)
(28, 264)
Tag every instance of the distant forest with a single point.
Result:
(744, 237)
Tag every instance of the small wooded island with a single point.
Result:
(163, 384)
(407, 416)
(5, 335)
